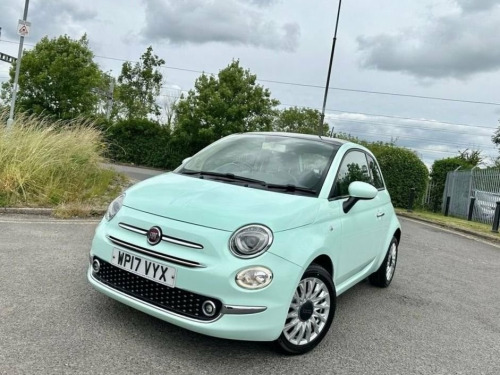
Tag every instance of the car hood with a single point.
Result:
(220, 205)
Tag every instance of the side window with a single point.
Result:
(377, 180)
(353, 168)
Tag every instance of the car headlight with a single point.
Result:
(254, 278)
(250, 241)
(114, 207)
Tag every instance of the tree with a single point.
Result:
(168, 102)
(299, 120)
(472, 157)
(138, 87)
(495, 138)
(104, 105)
(230, 102)
(58, 77)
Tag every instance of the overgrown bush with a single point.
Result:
(44, 163)
(140, 142)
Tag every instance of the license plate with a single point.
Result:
(143, 267)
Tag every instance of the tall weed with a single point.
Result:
(47, 163)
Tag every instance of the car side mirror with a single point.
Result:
(359, 191)
(186, 160)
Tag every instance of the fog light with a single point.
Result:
(254, 278)
(208, 308)
(96, 266)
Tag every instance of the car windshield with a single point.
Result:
(274, 162)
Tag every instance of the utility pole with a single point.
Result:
(10, 121)
(322, 118)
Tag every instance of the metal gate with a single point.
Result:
(480, 187)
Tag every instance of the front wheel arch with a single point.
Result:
(383, 276)
(326, 262)
(397, 234)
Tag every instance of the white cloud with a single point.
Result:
(8, 19)
(229, 21)
(476, 5)
(431, 139)
(48, 17)
(459, 44)
(262, 3)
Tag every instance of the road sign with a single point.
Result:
(23, 28)
(7, 58)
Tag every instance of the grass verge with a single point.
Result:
(55, 164)
(452, 222)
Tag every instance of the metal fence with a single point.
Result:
(427, 197)
(477, 190)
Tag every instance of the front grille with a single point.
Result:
(154, 254)
(176, 300)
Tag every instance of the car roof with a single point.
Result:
(335, 141)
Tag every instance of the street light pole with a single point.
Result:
(322, 118)
(10, 121)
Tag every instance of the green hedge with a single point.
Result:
(402, 170)
(140, 142)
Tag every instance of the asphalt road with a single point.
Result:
(136, 173)
(441, 315)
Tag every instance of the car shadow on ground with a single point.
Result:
(118, 319)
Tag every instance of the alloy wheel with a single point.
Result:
(391, 262)
(308, 312)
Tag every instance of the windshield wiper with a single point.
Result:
(228, 176)
(233, 177)
(291, 188)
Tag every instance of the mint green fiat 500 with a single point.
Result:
(253, 238)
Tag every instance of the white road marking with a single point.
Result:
(470, 237)
(58, 222)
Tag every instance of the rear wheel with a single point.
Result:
(384, 275)
(310, 313)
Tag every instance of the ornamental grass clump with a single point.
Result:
(49, 163)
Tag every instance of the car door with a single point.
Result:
(382, 201)
(360, 237)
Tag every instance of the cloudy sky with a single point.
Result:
(392, 57)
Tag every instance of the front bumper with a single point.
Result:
(254, 315)
(235, 322)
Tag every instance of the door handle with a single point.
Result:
(380, 214)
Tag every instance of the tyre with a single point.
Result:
(384, 275)
(310, 313)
